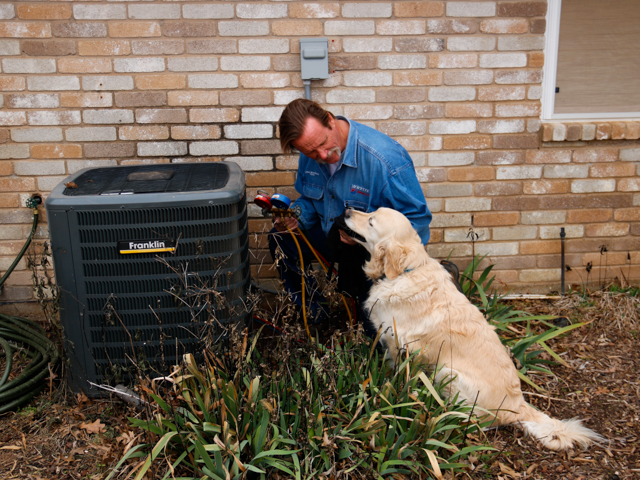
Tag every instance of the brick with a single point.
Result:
(358, 45)
(501, 26)
(400, 27)
(79, 29)
(90, 134)
(605, 200)
(255, 97)
(14, 151)
(346, 27)
(244, 63)
(401, 95)
(108, 48)
(627, 215)
(633, 130)
(500, 158)
(109, 150)
(588, 131)
(144, 133)
(470, 174)
(217, 46)
(522, 9)
(366, 10)
(154, 11)
(418, 9)
(501, 126)
(534, 125)
(515, 233)
(535, 93)
(452, 27)
(248, 131)
(165, 115)
(99, 12)
(134, 29)
(10, 200)
(566, 171)
(48, 48)
(291, 63)
(539, 247)
(66, 150)
(186, 98)
(451, 94)
(244, 10)
(451, 159)
(449, 250)
(270, 179)
(215, 11)
(516, 141)
(412, 112)
(160, 82)
(593, 186)
(28, 65)
(314, 10)
(630, 154)
(349, 96)
(354, 62)
(518, 76)
(74, 166)
(471, 44)
(9, 47)
(406, 45)
(539, 275)
(107, 116)
(276, 45)
(157, 47)
(544, 187)
(36, 134)
(618, 130)
(448, 190)
(549, 156)
(209, 81)
(543, 218)
(261, 114)
(613, 170)
(13, 118)
(140, 99)
(453, 60)
(402, 62)
(603, 131)
(254, 163)
(518, 173)
(462, 234)
(521, 43)
(468, 77)
(607, 230)
(84, 65)
(213, 115)
(25, 30)
(417, 78)
(90, 99)
(589, 216)
(7, 12)
(264, 80)
(368, 79)
(467, 204)
(54, 117)
(452, 127)
(503, 60)
(219, 147)
(189, 29)
(481, 219)
(52, 82)
(373, 112)
(447, 220)
(258, 28)
(536, 59)
(471, 9)
(459, 110)
(195, 132)
(498, 189)
(143, 64)
(518, 110)
(595, 155)
(162, 149)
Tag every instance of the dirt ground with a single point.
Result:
(63, 437)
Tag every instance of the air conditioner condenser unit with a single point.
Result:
(152, 261)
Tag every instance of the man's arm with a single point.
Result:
(406, 196)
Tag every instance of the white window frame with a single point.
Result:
(554, 9)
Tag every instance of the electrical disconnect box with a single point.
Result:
(314, 58)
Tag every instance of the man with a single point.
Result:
(343, 164)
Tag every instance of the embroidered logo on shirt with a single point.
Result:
(360, 190)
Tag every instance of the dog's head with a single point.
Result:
(390, 239)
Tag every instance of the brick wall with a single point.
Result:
(457, 83)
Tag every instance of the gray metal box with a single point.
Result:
(314, 58)
(152, 262)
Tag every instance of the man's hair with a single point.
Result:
(294, 118)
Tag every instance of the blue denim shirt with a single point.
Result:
(376, 171)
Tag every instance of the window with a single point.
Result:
(592, 66)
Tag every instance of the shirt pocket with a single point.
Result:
(313, 191)
(357, 205)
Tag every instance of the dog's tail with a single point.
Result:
(556, 434)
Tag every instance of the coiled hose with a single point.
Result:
(20, 333)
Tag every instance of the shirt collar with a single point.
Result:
(349, 157)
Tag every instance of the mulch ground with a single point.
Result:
(62, 436)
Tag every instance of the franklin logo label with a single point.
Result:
(360, 190)
(146, 246)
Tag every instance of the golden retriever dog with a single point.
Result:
(433, 317)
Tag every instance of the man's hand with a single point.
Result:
(281, 223)
(344, 238)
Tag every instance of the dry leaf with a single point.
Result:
(71, 185)
(11, 447)
(95, 427)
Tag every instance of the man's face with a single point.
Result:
(319, 142)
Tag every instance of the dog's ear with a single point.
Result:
(395, 259)
(374, 268)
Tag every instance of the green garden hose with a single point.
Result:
(20, 333)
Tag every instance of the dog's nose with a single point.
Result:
(347, 212)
